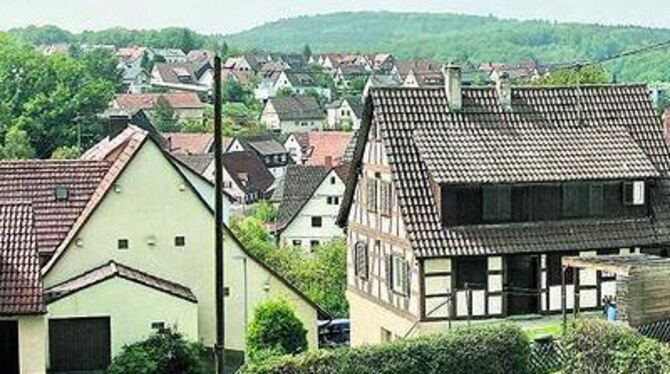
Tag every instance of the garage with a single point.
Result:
(9, 347)
(79, 345)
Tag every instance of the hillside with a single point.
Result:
(465, 38)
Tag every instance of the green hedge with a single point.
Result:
(596, 346)
(484, 349)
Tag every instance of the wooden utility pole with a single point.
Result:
(218, 193)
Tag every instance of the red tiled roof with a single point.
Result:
(36, 182)
(21, 290)
(178, 100)
(113, 269)
(191, 143)
(327, 144)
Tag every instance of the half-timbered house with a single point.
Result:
(461, 201)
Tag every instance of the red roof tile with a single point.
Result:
(178, 100)
(113, 269)
(191, 143)
(36, 182)
(21, 290)
(327, 144)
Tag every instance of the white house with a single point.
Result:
(345, 112)
(308, 201)
(292, 114)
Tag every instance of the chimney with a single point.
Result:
(504, 90)
(452, 83)
(329, 162)
(118, 121)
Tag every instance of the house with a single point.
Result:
(200, 56)
(383, 62)
(253, 62)
(308, 201)
(125, 239)
(419, 73)
(272, 153)
(195, 77)
(198, 162)
(461, 201)
(345, 113)
(381, 80)
(347, 73)
(300, 83)
(245, 177)
(319, 148)
(135, 79)
(292, 114)
(168, 55)
(245, 78)
(22, 306)
(186, 105)
(192, 142)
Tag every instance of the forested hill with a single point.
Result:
(465, 38)
(462, 38)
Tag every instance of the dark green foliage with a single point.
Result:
(484, 349)
(274, 331)
(595, 346)
(165, 119)
(45, 96)
(165, 352)
(591, 74)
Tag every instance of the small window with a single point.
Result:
(179, 241)
(372, 195)
(399, 277)
(317, 222)
(297, 243)
(361, 260)
(329, 200)
(313, 244)
(333, 180)
(61, 193)
(633, 193)
(471, 273)
(336, 200)
(122, 244)
(159, 326)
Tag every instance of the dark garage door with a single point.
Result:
(79, 345)
(9, 347)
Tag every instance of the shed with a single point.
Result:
(642, 292)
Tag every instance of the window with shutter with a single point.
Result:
(372, 195)
(386, 198)
(400, 271)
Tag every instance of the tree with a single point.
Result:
(275, 328)
(165, 352)
(285, 92)
(66, 153)
(307, 52)
(590, 74)
(17, 145)
(233, 91)
(165, 117)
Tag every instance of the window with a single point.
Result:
(554, 268)
(372, 195)
(159, 326)
(361, 260)
(575, 200)
(386, 203)
(122, 244)
(399, 275)
(179, 241)
(332, 200)
(297, 243)
(471, 273)
(633, 193)
(333, 180)
(61, 193)
(497, 203)
(313, 244)
(316, 222)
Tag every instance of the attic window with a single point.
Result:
(61, 193)
(179, 241)
(122, 244)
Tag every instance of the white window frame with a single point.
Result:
(400, 276)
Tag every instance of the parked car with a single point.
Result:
(334, 334)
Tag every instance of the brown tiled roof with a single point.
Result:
(177, 100)
(197, 162)
(111, 270)
(327, 144)
(36, 182)
(21, 290)
(298, 185)
(243, 77)
(297, 108)
(248, 171)
(621, 138)
(191, 143)
(169, 72)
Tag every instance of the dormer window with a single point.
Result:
(61, 193)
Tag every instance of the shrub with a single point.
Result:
(275, 330)
(165, 352)
(595, 346)
(484, 349)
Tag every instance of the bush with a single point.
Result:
(274, 331)
(484, 349)
(595, 346)
(165, 352)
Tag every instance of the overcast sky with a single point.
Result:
(226, 16)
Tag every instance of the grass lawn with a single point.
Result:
(555, 330)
